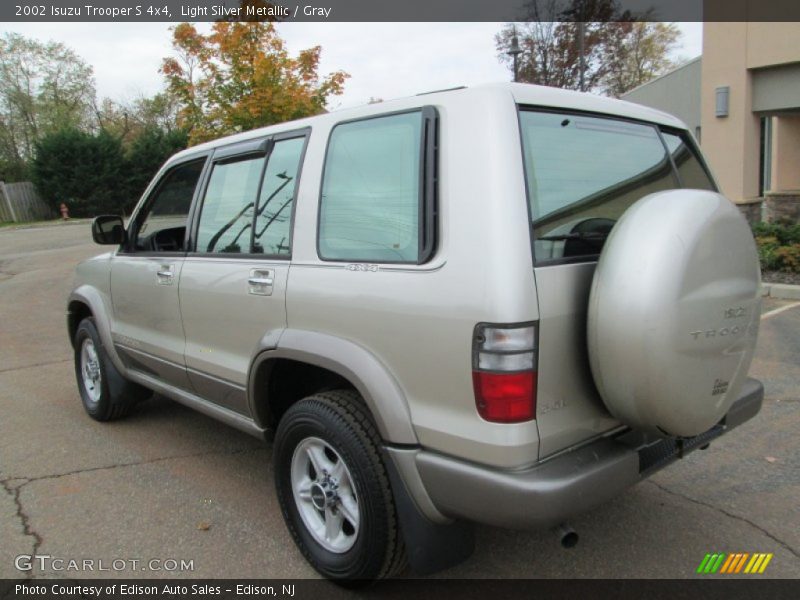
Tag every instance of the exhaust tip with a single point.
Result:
(567, 536)
(570, 540)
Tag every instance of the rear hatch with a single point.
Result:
(583, 170)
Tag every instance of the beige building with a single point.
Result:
(742, 99)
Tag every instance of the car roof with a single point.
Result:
(521, 93)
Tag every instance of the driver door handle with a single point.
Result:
(165, 275)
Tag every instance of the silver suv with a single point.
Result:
(503, 304)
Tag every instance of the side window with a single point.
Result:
(370, 201)
(162, 225)
(228, 207)
(273, 219)
(691, 171)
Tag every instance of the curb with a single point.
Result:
(781, 291)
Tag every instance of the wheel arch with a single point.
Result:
(335, 362)
(85, 301)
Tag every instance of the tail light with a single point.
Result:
(504, 365)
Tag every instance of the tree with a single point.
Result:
(81, 169)
(550, 53)
(43, 87)
(621, 50)
(127, 121)
(635, 53)
(240, 76)
(148, 151)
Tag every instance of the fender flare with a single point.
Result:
(378, 387)
(92, 298)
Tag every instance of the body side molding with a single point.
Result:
(190, 400)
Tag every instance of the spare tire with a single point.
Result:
(674, 311)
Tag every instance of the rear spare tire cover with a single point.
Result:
(674, 312)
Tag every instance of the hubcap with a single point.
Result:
(325, 495)
(90, 371)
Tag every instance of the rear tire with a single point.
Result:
(105, 393)
(334, 489)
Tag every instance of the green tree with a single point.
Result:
(43, 87)
(240, 76)
(148, 151)
(81, 169)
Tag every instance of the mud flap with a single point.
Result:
(430, 547)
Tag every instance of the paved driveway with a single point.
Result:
(168, 483)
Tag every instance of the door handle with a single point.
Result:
(165, 275)
(260, 282)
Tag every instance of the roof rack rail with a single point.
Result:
(458, 87)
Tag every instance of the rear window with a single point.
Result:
(583, 172)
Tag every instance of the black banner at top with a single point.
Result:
(397, 10)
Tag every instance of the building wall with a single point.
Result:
(677, 92)
(759, 62)
(731, 144)
(786, 153)
(770, 44)
(777, 89)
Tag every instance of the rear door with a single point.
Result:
(233, 282)
(583, 171)
(146, 328)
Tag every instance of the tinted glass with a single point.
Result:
(276, 201)
(227, 215)
(369, 209)
(692, 173)
(583, 173)
(163, 225)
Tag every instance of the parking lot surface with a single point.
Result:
(168, 484)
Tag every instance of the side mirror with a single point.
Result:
(108, 230)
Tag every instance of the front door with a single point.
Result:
(233, 282)
(147, 329)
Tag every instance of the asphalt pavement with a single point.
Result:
(168, 484)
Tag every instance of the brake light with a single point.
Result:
(504, 372)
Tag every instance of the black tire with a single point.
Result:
(114, 396)
(340, 420)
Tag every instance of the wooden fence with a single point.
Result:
(20, 202)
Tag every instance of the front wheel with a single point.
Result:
(105, 394)
(334, 490)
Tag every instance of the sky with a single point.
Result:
(385, 60)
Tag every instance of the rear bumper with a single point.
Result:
(547, 494)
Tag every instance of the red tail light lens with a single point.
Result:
(505, 397)
(504, 362)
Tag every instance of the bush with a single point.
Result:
(778, 246)
(82, 170)
(92, 173)
(787, 233)
(788, 258)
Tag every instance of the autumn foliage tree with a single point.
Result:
(240, 76)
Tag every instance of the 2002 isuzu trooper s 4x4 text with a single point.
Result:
(503, 304)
